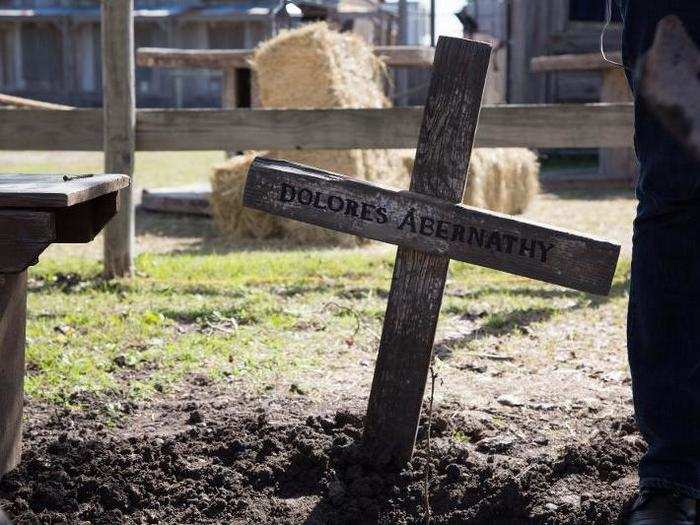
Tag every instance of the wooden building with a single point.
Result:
(532, 28)
(50, 49)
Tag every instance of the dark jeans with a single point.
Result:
(664, 308)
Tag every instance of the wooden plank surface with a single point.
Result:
(26, 226)
(188, 200)
(119, 128)
(440, 170)
(13, 316)
(24, 235)
(582, 62)
(544, 126)
(51, 191)
(393, 56)
(482, 237)
(534, 126)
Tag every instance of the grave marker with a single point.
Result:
(430, 229)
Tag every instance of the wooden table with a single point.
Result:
(615, 163)
(35, 211)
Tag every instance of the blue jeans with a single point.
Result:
(663, 329)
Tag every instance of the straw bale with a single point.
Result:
(500, 179)
(315, 67)
(228, 183)
(310, 67)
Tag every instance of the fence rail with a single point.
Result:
(534, 126)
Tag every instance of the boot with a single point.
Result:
(662, 507)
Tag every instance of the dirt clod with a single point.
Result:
(262, 467)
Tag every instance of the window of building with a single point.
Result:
(42, 61)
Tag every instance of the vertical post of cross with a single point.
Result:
(440, 170)
(119, 128)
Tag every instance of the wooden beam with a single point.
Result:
(13, 315)
(119, 128)
(21, 102)
(193, 58)
(545, 126)
(533, 126)
(440, 170)
(393, 56)
(463, 233)
(577, 62)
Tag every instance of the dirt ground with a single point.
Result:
(220, 455)
(532, 421)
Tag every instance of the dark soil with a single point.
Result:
(219, 465)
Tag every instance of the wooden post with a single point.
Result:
(617, 163)
(119, 128)
(229, 95)
(13, 314)
(440, 170)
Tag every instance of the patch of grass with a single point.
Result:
(152, 169)
(257, 314)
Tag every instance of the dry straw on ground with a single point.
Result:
(315, 67)
(500, 179)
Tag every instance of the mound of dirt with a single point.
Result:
(252, 469)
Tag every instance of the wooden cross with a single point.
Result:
(430, 229)
(35, 211)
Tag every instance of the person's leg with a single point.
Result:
(664, 309)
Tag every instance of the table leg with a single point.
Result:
(13, 317)
(617, 163)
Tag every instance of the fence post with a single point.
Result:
(119, 128)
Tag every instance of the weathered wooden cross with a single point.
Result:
(430, 229)
(35, 211)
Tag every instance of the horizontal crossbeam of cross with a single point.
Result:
(432, 225)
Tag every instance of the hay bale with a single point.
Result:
(227, 185)
(315, 67)
(500, 179)
(309, 67)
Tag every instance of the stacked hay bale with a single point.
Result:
(310, 67)
(499, 179)
(315, 67)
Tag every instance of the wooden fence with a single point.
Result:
(119, 130)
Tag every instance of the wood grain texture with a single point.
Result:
(81, 223)
(19, 190)
(40, 130)
(24, 235)
(545, 126)
(617, 163)
(393, 56)
(575, 62)
(119, 127)
(533, 126)
(432, 225)
(13, 315)
(189, 200)
(440, 170)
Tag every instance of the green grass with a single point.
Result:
(259, 315)
(152, 169)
